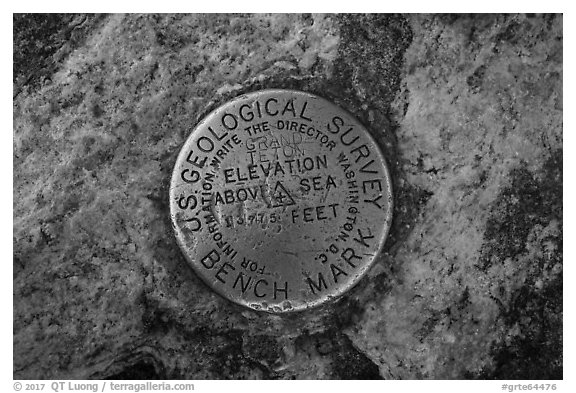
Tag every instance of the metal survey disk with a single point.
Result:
(280, 200)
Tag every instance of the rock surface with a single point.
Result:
(468, 110)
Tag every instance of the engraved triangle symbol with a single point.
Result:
(280, 196)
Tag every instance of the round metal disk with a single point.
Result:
(280, 200)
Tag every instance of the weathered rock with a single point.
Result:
(467, 109)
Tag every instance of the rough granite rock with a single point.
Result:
(468, 110)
